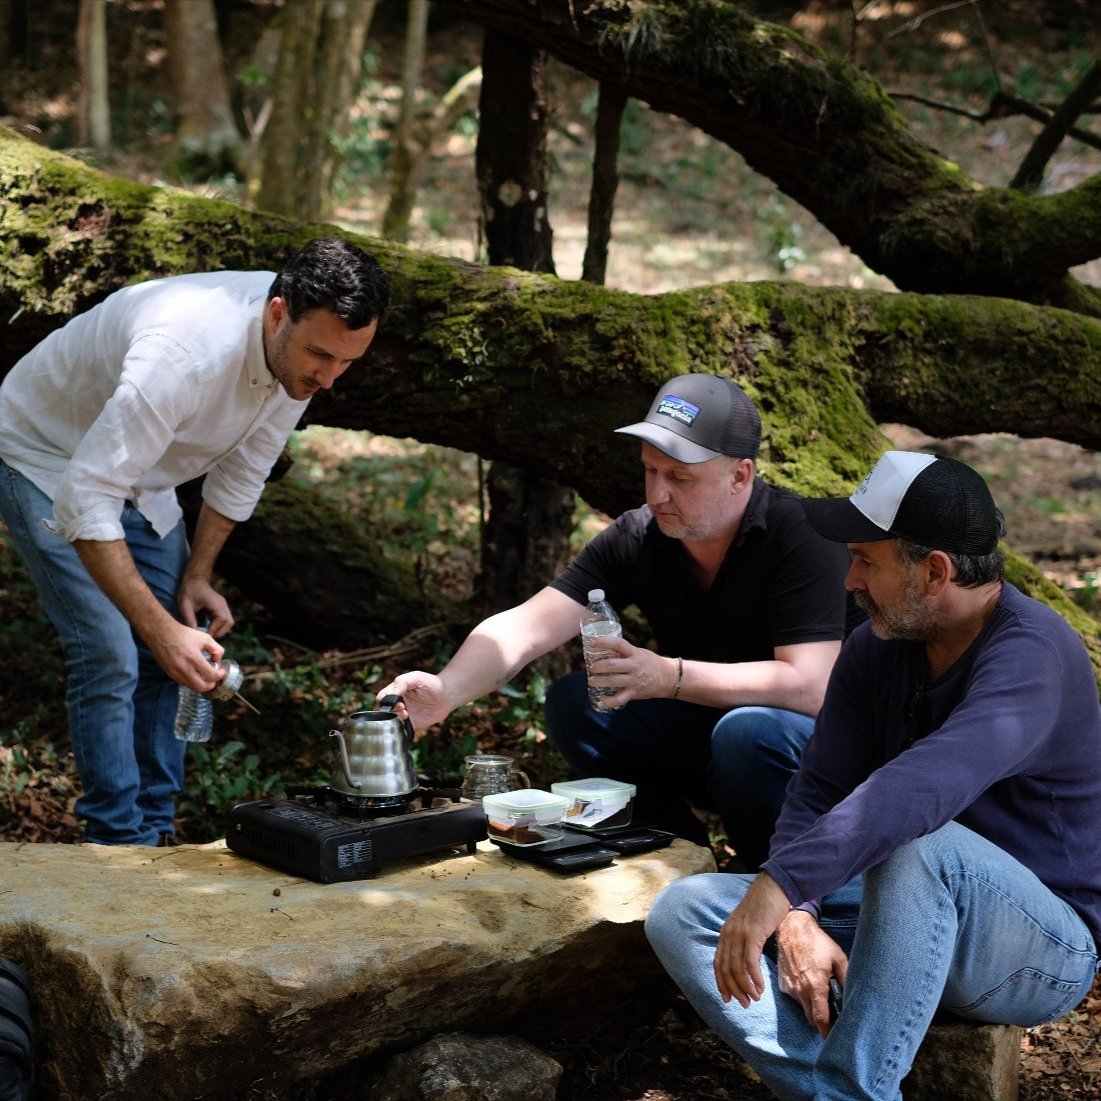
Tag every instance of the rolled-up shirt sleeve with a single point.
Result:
(233, 487)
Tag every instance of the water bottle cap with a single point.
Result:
(595, 595)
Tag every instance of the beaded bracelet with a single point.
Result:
(680, 676)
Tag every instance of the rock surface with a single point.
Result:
(194, 973)
(960, 1061)
(464, 1067)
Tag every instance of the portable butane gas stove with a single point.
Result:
(329, 837)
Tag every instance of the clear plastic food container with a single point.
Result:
(525, 817)
(597, 802)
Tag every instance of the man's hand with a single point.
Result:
(425, 700)
(807, 958)
(634, 673)
(179, 649)
(182, 651)
(742, 940)
(196, 596)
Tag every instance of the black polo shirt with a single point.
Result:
(780, 584)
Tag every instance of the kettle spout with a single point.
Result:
(345, 764)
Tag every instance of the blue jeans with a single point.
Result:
(121, 703)
(949, 922)
(735, 763)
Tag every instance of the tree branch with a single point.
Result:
(1031, 173)
(824, 131)
(1001, 106)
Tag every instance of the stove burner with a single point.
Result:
(371, 806)
(328, 836)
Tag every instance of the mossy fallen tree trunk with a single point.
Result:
(321, 578)
(539, 371)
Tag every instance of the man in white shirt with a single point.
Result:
(165, 381)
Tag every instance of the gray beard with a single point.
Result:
(911, 621)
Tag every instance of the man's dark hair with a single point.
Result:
(333, 274)
(972, 570)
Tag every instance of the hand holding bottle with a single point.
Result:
(598, 622)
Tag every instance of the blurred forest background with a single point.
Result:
(385, 146)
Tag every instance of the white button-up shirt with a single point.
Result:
(160, 383)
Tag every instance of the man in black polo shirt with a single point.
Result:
(746, 603)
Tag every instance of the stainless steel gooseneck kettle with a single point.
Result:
(375, 758)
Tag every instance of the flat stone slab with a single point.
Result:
(195, 973)
(964, 1061)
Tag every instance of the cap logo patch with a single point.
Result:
(678, 409)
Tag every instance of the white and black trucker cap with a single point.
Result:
(933, 500)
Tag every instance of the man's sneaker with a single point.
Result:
(165, 840)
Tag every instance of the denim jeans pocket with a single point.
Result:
(1029, 997)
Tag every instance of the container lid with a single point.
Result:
(596, 595)
(595, 787)
(524, 799)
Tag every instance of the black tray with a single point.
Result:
(635, 838)
(564, 854)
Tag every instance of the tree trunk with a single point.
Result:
(7, 16)
(455, 102)
(609, 117)
(344, 26)
(539, 371)
(94, 114)
(828, 135)
(280, 189)
(207, 142)
(320, 55)
(530, 518)
(403, 143)
(527, 537)
(511, 155)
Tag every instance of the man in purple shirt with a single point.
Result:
(940, 846)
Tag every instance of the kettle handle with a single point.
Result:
(390, 703)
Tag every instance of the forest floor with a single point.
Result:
(688, 212)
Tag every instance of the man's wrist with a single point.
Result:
(678, 677)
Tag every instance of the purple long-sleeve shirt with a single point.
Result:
(1008, 744)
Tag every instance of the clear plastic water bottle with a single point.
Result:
(194, 714)
(598, 621)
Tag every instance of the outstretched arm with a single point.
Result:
(493, 653)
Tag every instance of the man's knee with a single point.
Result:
(751, 734)
(694, 905)
(672, 910)
(934, 856)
